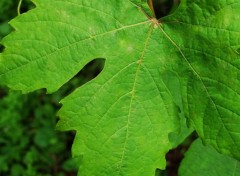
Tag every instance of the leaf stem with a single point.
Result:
(19, 7)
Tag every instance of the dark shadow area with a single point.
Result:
(26, 6)
(1, 48)
(175, 156)
(3, 92)
(163, 8)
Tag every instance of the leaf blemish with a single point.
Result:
(130, 49)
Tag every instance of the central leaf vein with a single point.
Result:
(132, 97)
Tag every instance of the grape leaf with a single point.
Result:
(204, 160)
(211, 96)
(124, 116)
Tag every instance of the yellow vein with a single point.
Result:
(133, 92)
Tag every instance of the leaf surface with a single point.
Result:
(124, 117)
(211, 96)
(204, 160)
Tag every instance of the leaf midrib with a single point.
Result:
(132, 97)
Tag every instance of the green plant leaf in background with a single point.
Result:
(203, 160)
(29, 143)
(123, 118)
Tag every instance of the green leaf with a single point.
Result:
(173, 84)
(211, 97)
(203, 160)
(124, 117)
